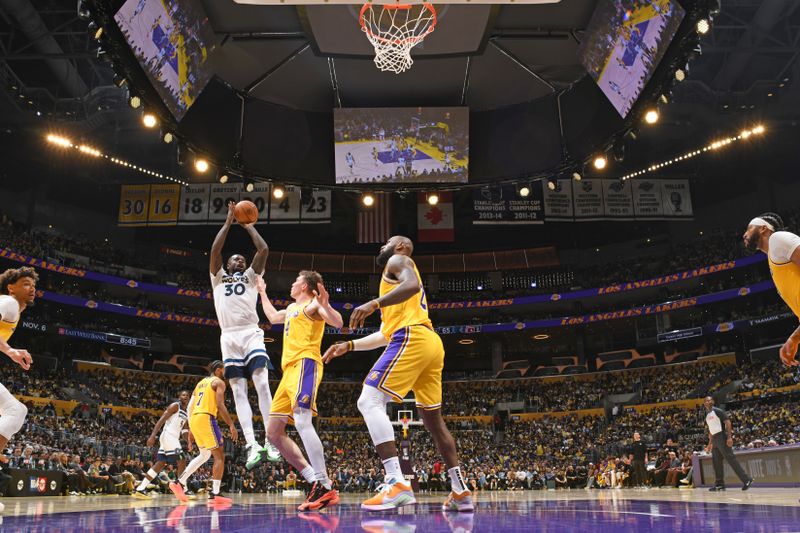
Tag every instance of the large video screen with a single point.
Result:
(402, 145)
(172, 40)
(624, 43)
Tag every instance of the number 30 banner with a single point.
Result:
(207, 203)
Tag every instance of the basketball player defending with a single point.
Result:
(169, 442)
(295, 400)
(766, 233)
(17, 291)
(413, 360)
(242, 341)
(208, 400)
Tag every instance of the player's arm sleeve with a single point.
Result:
(782, 245)
(9, 310)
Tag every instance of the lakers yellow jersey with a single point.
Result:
(9, 316)
(205, 398)
(302, 336)
(786, 277)
(409, 313)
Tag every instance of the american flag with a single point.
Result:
(374, 223)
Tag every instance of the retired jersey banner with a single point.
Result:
(504, 205)
(194, 204)
(134, 202)
(558, 201)
(675, 198)
(164, 198)
(435, 222)
(220, 195)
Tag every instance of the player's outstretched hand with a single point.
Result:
(234, 434)
(151, 442)
(335, 350)
(788, 352)
(322, 296)
(21, 357)
(361, 312)
(230, 219)
(261, 285)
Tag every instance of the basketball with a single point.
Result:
(245, 212)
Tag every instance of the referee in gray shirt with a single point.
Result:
(720, 442)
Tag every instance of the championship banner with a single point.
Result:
(134, 202)
(260, 196)
(220, 195)
(504, 205)
(635, 312)
(6, 253)
(163, 209)
(617, 199)
(587, 196)
(285, 210)
(558, 202)
(315, 207)
(647, 198)
(435, 222)
(194, 204)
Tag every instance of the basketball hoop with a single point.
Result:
(394, 29)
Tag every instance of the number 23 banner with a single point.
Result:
(207, 203)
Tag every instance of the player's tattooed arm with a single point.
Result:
(262, 250)
(273, 315)
(219, 242)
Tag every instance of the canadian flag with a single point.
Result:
(435, 222)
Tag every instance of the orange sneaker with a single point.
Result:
(319, 497)
(177, 490)
(459, 502)
(390, 496)
(217, 499)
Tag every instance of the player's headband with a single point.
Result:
(758, 221)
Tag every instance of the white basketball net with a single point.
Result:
(394, 30)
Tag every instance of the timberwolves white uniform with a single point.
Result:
(242, 341)
(169, 443)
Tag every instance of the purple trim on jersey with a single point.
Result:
(216, 430)
(394, 349)
(308, 382)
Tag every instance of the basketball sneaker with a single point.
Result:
(218, 499)
(254, 456)
(459, 502)
(319, 497)
(390, 495)
(273, 455)
(141, 495)
(190, 494)
(177, 490)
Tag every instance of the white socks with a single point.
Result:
(308, 474)
(457, 480)
(392, 466)
(215, 484)
(151, 475)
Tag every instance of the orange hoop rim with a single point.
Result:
(411, 40)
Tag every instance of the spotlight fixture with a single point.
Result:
(278, 191)
(576, 176)
(95, 30)
(680, 74)
(168, 137)
(551, 184)
(368, 199)
(664, 99)
(249, 186)
(83, 10)
(149, 120)
(223, 178)
(618, 151)
(135, 102)
(651, 117)
(703, 26)
(433, 198)
(201, 165)
(524, 191)
(600, 162)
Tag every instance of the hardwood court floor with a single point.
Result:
(689, 510)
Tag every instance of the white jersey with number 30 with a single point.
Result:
(235, 298)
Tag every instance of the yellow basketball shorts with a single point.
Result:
(413, 360)
(205, 430)
(297, 389)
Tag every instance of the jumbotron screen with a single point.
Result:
(402, 145)
(624, 43)
(172, 40)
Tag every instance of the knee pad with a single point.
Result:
(12, 419)
(370, 400)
